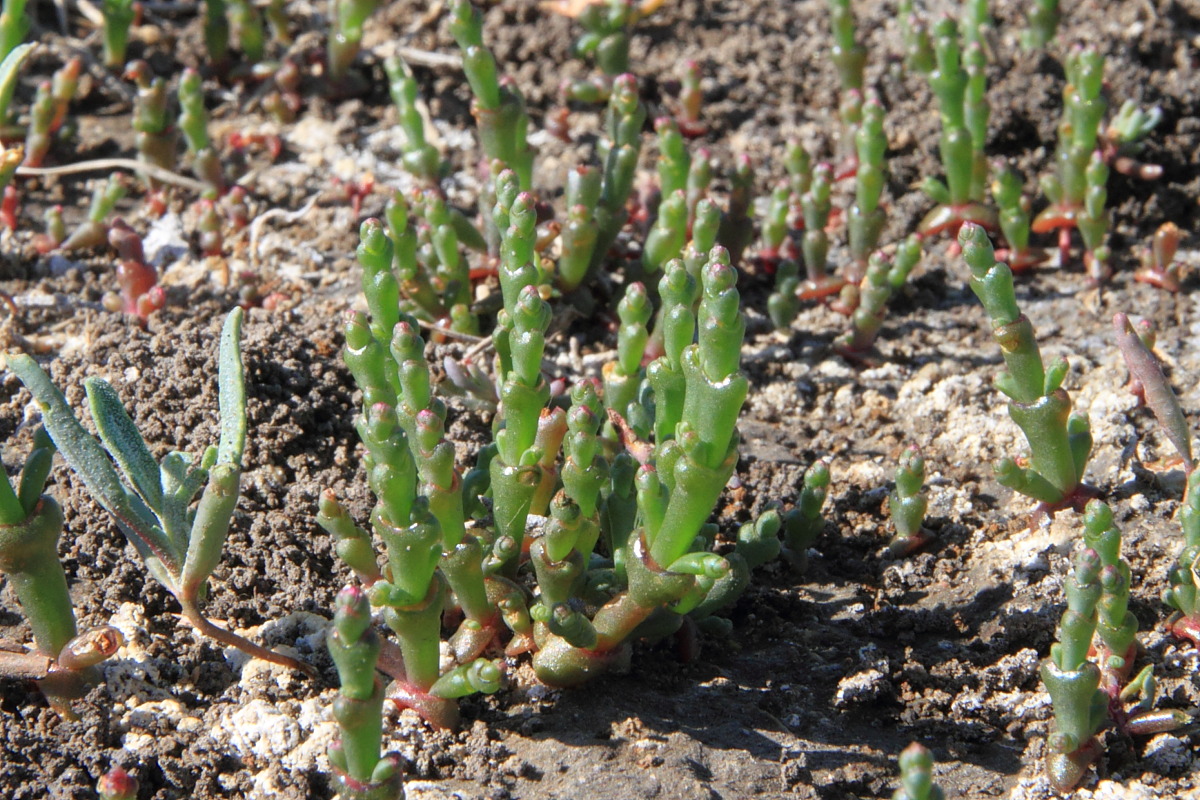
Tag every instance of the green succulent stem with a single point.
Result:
(1059, 441)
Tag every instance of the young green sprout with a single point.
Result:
(1099, 627)
(884, 277)
(907, 504)
(345, 36)
(118, 16)
(151, 502)
(959, 83)
(1077, 188)
(1184, 595)
(1159, 267)
(916, 775)
(1043, 17)
(1014, 205)
(1073, 682)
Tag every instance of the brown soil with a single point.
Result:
(826, 676)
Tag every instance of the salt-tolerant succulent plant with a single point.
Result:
(1077, 190)
(420, 157)
(1159, 267)
(92, 232)
(498, 107)
(1183, 596)
(152, 502)
(193, 123)
(884, 277)
(1080, 707)
(959, 83)
(347, 18)
(1014, 218)
(151, 117)
(907, 504)
(914, 33)
(1059, 440)
(118, 17)
(140, 295)
(1043, 17)
(1088, 674)
(608, 26)
(246, 24)
(916, 775)
(361, 771)
(866, 216)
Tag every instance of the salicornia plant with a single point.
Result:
(1073, 682)
(916, 775)
(885, 276)
(1043, 17)
(118, 16)
(607, 27)
(1077, 188)
(1059, 441)
(420, 157)
(361, 771)
(960, 90)
(498, 107)
(1159, 267)
(193, 122)
(1183, 595)
(1088, 674)
(92, 232)
(347, 18)
(151, 118)
(1014, 207)
(151, 502)
(907, 504)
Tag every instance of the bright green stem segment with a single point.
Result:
(1073, 682)
(358, 709)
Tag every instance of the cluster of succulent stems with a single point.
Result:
(1089, 674)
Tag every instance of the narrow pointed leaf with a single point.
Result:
(232, 383)
(1144, 368)
(10, 70)
(124, 442)
(85, 455)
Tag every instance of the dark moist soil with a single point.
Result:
(826, 676)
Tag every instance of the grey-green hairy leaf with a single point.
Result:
(123, 441)
(232, 386)
(85, 455)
